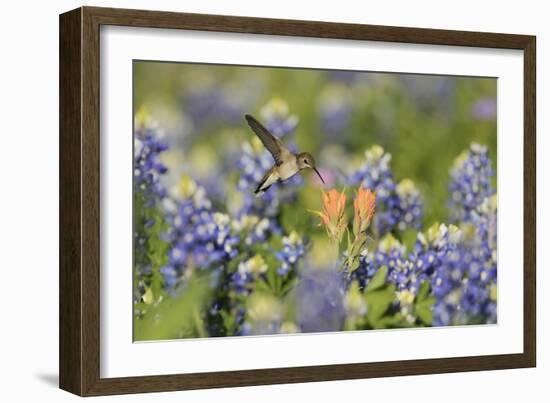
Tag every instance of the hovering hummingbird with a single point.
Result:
(287, 164)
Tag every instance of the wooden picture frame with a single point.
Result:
(79, 346)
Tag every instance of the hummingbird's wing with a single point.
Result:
(272, 143)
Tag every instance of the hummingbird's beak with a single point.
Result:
(317, 172)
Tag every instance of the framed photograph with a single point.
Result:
(249, 201)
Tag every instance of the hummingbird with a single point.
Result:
(287, 164)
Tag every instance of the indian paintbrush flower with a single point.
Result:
(333, 215)
(363, 206)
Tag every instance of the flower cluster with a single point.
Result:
(149, 192)
(148, 167)
(460, 269)
(465, 283)
(253, 229)
(399, 207)
(200, 237)
(407, 206)
(432, 248)
(390, 253)
(261, 277)
(247, 272)
(464, 291)
(293, 249)
(470, 182)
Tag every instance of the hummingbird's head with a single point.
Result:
(306, 160)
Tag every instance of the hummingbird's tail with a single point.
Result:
(259, 191)
(265, 183)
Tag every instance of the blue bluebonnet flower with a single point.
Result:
(148, 166)
(375, 174)
(252, 229)
(465, 284)
(431, 249)
(201, 238)
(293, 250)
(366, 270)
(462, 293)
(392, 254)
(334, 110)
(247, 272)
(479, 297)
(149, 192)
(320, 300)
(461, 272)
(484, 109)
(484, 220)
(398, 207)
(407, 271)
(470, 182)
(409, 210)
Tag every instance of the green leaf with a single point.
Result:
(424, 291)
(354, 266)
(408, 238)
(288, 286)
(175, 316)
(393, 321)
(424, 314)
(271, 276)
(262, 286)
(424, 310)
(378, 303)
(379, 279)
(228, 322)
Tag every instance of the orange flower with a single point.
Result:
(364, 206)
(332, 216)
